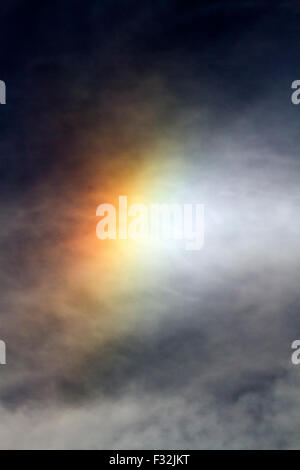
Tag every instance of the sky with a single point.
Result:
(125, 345)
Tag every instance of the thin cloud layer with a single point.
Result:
(117, 345)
